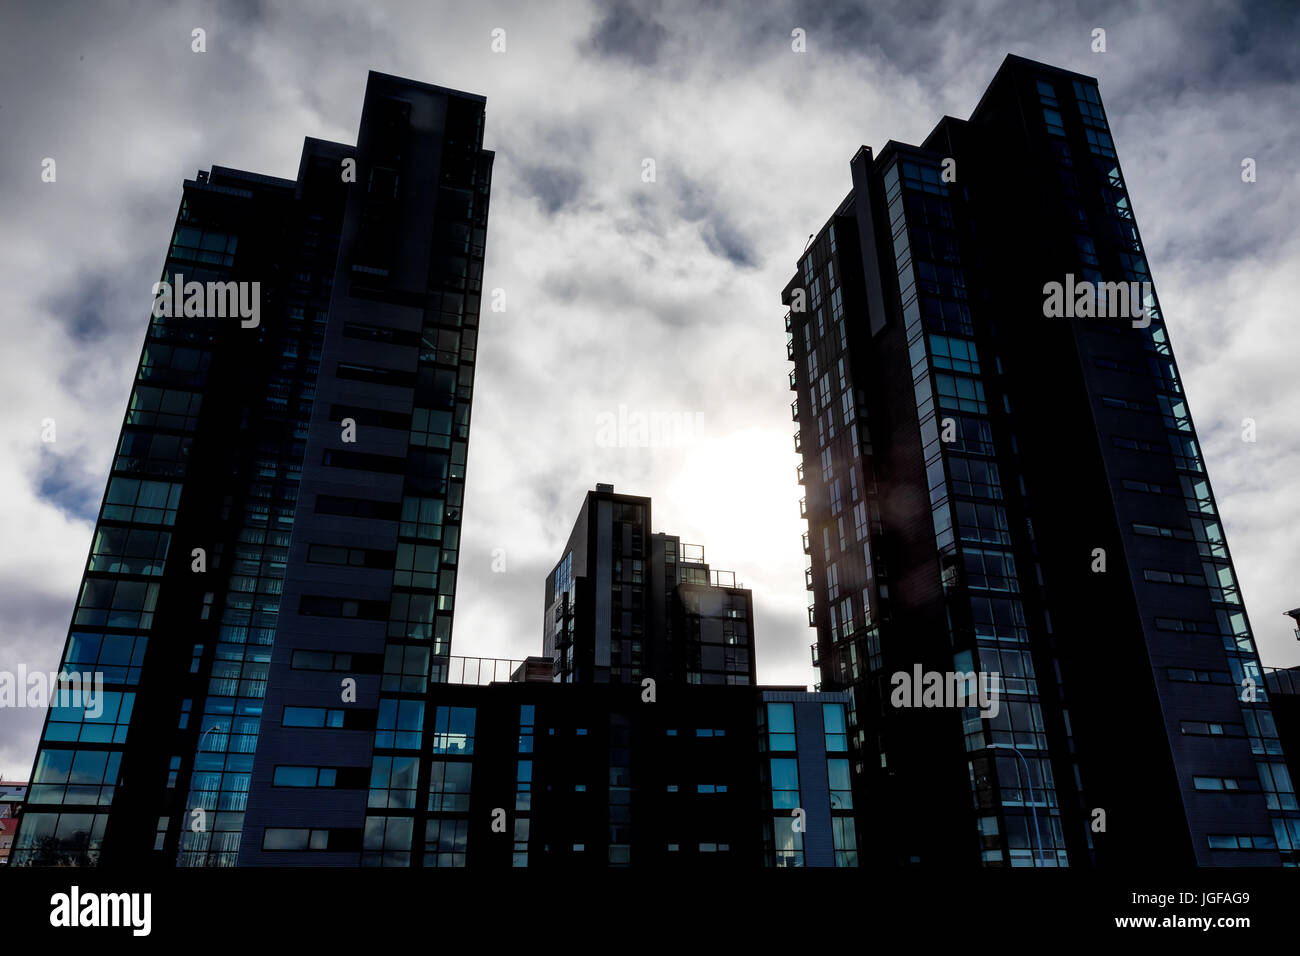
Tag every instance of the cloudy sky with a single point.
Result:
(661, 297)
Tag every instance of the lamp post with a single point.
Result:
(1033, 808)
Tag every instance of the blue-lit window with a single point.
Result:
(76, 721)
(393, 783)
(144, 502)
(780, 727)
(400, 724)
(841, 786)
(290, 776)
(117, 656)
(837, 740)
(958, 355)
(312, 717)
(960, 393)
(785, 782)
(453, 730)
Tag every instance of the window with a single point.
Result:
(75, 777)
(117, 656)
(1225, 783)
(1231, 841)
(992, 570)
(431, 428)
(349, 557)
(387, 841)
(445, 842)
(957, 355)
(841, 786)
(962, 394)
(294, 776)
(785, 782)
(454, 730)
(836, 728)
(780, 727)
(393, 782)
(1204, 728)
(400, 724)
(72, 719)
(449, 786)
(59, 839)
(406, 668)
(311, 717)
(129, 551)
(164, 408)
(143, 502)
(845, 841)
(303, 660)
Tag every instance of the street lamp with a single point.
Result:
(1033, 807)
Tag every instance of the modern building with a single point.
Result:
(593, 775)
(1003, 478)
(273, 568)
(624, 603)
(12, 795)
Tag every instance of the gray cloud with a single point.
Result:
(625, 33)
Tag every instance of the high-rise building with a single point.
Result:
(1003, 478)
(273, 569)
(624, 603)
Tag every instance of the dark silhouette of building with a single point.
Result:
(994, 487)
(624, 603)
(273, 569)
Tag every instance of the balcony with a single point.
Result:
(472, 670)
(798, 472)
(798, 443)
(812, 615)
(794, 410)
(789, 348)
(803, 507)
(816, 661)
(807, 578)
(807, 543)
(794, 382)
(789, 321)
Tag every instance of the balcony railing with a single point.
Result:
(472, 670)
(807, 578)
(789, 321)
(803, 507)
(807, 543)
(798, 472)
(794, 381)
(815, 660)
(812, 615)
(789, 348)
(798, 442)
(794, 410)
